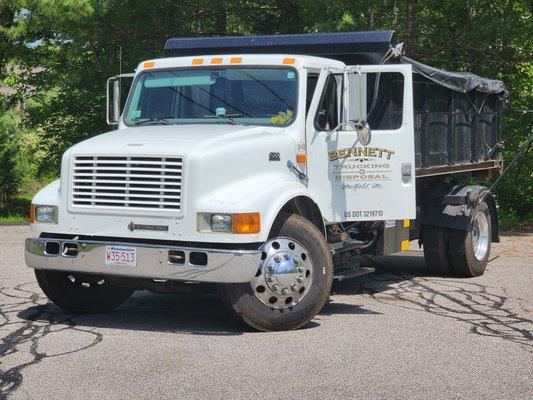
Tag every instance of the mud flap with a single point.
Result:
(455, 207)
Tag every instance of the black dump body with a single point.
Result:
(457, 115)
(454, 130)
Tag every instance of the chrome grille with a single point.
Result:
(127, 182)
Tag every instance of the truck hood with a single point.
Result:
(163, 139)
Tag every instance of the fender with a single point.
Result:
(267, 196)
(49, 195)
(453, 209)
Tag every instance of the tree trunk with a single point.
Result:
(220, 17)
(369, 16)
(221, 22)
(395, 11)
(289, 15)
(412, 26)
(7, 14)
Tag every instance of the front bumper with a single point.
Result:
(153, 262)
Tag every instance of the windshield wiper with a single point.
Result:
(154, 121)
(229, 118)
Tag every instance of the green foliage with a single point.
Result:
(508, 219)
(16, 210)
(10, 174)
(75, 46)
(515, 192)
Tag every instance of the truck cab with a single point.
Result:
(265, 174)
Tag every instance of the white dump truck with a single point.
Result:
(265, 166)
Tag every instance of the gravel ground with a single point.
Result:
(400, 333)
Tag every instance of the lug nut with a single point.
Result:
(271, 268)
(275, 287)
(270, 278)
(301, 269)
(300, 279)
(294, 288)
(286, 256)
(277, 259)
(284, 291)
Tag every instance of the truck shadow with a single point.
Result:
(404, 281)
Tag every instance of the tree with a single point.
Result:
(10, 176)
(76, 44)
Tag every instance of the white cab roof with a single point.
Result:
(297, 61)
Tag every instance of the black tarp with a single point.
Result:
(460, 81)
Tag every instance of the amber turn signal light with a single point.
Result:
(246, 223)
(301, 158)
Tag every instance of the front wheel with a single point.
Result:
(292, 283)
(81, 293)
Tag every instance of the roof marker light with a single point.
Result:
(216, 60)
(149, 64)
(197, 61)
(289, 60)
(235, 60)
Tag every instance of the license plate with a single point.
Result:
(121, 256)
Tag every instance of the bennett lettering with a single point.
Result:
(376, 152)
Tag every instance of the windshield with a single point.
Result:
(254, 96)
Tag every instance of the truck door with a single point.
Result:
(355, 179)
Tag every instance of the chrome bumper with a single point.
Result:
(153, 262)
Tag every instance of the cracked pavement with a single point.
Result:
(400, 333)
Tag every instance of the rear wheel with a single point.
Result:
(436, 250)
(292, 283)
(81, 293)
(469, 250)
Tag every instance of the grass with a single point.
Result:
(16, 211)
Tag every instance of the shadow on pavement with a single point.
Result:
(402, 281)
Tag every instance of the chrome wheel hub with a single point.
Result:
(285, 274)
(480, 235)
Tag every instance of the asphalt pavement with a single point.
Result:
(397, 334)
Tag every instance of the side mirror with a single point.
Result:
(113, 100)
(364, 133)
(113, 90)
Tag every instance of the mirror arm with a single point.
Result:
(339, 127)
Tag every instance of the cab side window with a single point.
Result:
(312, 80)
(328, 114)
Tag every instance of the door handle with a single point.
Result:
(406, 172)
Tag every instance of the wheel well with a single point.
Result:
(306, 208)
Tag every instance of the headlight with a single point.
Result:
(43, 214)
(229, 223)
(221, 223)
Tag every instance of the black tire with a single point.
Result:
(81, 293)
(461, 246)
(243, 303)
(436, 250)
